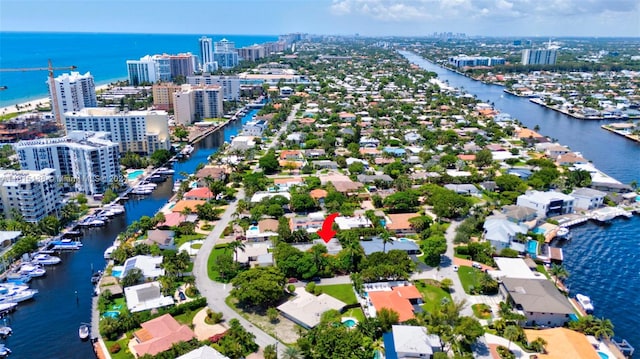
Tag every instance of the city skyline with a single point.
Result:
(557, 18)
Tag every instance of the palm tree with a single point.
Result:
(386, 238)
(511, 333)
(234, 246)
(291, 353)
(538, 345)
(559, 272)
(602, 328)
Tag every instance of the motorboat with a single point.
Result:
(7, 307)
(585, 303)
(64, 244)
(45, 259)
(83, 331)
(156, 178)
(108, 251)
(72, 234)
(186, 151)
(4, 351)
(16, 295)
(165, 171)
(115, 209)
(95, 277)
(18, 278)
(141, 191)
(5, 331)
(32, 270)
(562, 232)
(176, 185)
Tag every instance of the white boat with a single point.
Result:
(115, 208)
(585, 303)
(562, 232)
(32, 270)
(141, 191)
(83, 331)
(165, 171)
(108, 251)
(176, 185)
(4, 351)
(18, 278)
(16, 295)
(187, 150)
(45, 259)
(7, 307)
(5, 331)
(147, 185)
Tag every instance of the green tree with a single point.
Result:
(269, 163)
(302, 202)
(511, 333)
(272, 314)
(181, 133)
(132, 277)
(236, 246)
(160, 156)
(484, 158)
(259, 286)
(284, 230)
(433, 249)
(558, 272)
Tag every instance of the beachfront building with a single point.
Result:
(473, 61)
(150, 69)
(33, 194)
(225, 54)
(163, 95)
(196, 103)
(88, 160)
(141, 132)
(539, 57)
(143, 71)
(547, 204)
(230, 84)
(181, 65)
(207, 64)
(73, 92)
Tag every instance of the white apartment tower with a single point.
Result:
(87, 161)
(73, 91)
(206, 54)
(225, 54)
(230, 84)
(34, 194)
(539, 57)
(195, 103)
(137, 131)
(142, 71)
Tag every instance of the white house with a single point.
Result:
(243, 143)
(345, 223)
(547, 204)
(587, 198)
(150, 266)
(414, 342)
(146, 296)
(254, 128)
(501, 232)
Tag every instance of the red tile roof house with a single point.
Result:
(202, 193)
(400, 299)
(158, 335)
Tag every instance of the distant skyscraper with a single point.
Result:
(182, 65)
(142, 71)
(195, 103)
(225, 54)
(225, 45)
(539, 57)
(206, 53)
(73, 92)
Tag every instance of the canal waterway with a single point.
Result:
(47, 327)
(601, 260)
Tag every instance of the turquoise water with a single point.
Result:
(111, 314)
(135, 174)
(603, 355)
(539, 230)
(253, 228)
(116, 273)
(532, 248)
(349, 323)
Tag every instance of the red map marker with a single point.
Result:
(326, 233)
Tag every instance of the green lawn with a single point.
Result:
(211, 271)
(468, 277)
(540, 268)
(431, 295)
(343, 292)
(355, 313)
(187, 238)
(481, 311)
(187, 318)
(124, 350)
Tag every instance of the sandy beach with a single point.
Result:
(31, 105)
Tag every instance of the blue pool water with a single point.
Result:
(111, 314)
(134, 174)
(603, 355)
(539, 230)
(532, 248)
(116, 273)
(403, 239)
(349, 323)
(253, 228)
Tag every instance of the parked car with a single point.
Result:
(476, 265)
(182, 296)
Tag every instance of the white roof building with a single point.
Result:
(204, 352)
(306, 309)
(514, 268)
(145, 296)
(414, 342)
(150, 266)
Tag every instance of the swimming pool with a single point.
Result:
(134, 174)
(538, 230)
(117, 272)
(254, 228)
(532, 248)
(349, 322)
(603, 355)
(111, 314)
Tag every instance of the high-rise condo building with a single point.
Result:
(195, 103)
(252, 53)
(230, 84)
(142, 71)
(206, 55)
(163, 95)
(86, 162)
(33, 194)
(225, 54)
(137, 131)
(225, 45)
(539, 57)
(182, 65)
(73, 91)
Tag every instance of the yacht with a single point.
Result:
(64, 244)
(165, 171)
(4, 351)
(585, 303)
(7, 307)
(45, 259)
(83, 331)
(16, 295)
(141, 191)
(186, 151)
(32, 270)
(115, 208)
(5, 331)
(562, 232)
(18, 278)
(108, 251)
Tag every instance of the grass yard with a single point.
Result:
(187, 318)
(468, 277)
(540, 268)
(211, 262)
(481, 311)
(343, 292)
(431, 295)
(124, 352)
(355, 313)
(187, 238)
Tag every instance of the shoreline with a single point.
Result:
(32, 105)
(628, 136)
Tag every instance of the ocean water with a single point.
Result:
(104, 55)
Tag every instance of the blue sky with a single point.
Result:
(366, 17)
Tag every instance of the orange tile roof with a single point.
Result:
(286, 153)
(288, 180)
(526, 133)
(369, 151)
(172, 219)
(268, 225)
(467, 157)
(159, 334)
(563, 343)
(397, 300)
(318, 193)
(199, 193)
(400, 220)
(187, 203)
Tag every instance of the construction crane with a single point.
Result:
(52, 87)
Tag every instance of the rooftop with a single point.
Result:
(307, 309)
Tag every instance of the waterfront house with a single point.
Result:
(547, 204)
(538, 300)
(519, 214)
(570, 159)
(563, 343)
(158, 335)
(306, 309)
(587, 198)
(502, 233)
(146, 296)
(514, 268)
(175, 218)
(200, 193)
(255, 128)
(164, 239)
(151, 267)
(217, 173)
(405, 341)
(187, 205)
(243, 143)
